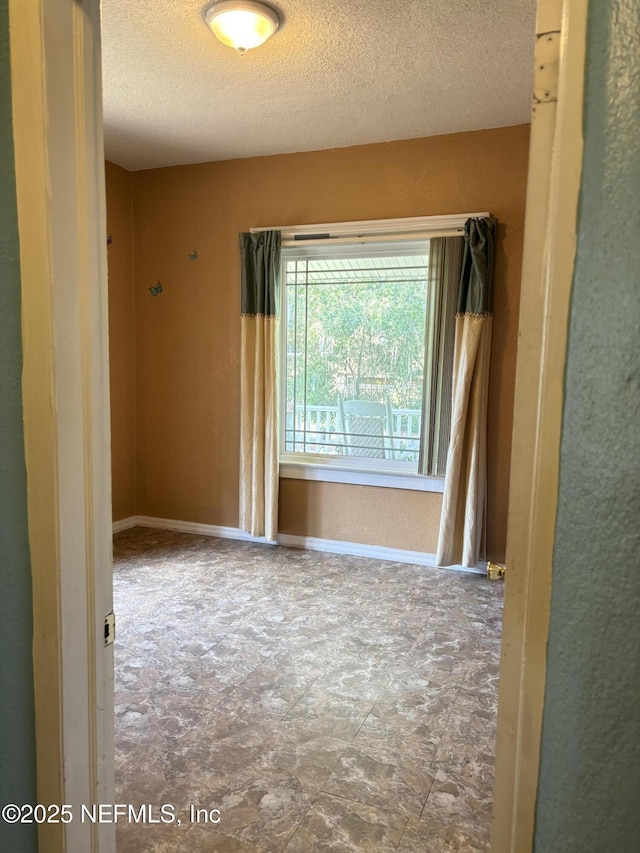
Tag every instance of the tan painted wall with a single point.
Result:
(188, 337)
(121, 342)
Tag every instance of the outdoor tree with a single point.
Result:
(358, 339)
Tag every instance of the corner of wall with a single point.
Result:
(135, 347)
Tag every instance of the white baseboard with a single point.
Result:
(378, 552)
(199, 529)
(310, 543)
(125, 523)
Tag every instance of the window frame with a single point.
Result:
(379, 236)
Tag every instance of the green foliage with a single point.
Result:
(362, 340)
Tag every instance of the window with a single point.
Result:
(366, 357)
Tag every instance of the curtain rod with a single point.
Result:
(374, 226)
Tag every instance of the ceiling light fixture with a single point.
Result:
(242, 24)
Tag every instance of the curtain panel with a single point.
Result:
(260, 259)
(445, 265)
(462, 535)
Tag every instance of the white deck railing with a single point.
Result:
(322, 434)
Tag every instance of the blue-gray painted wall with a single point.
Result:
(17, 727)
(589, 787)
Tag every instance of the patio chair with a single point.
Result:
(367, 428)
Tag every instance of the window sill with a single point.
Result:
(360, 477)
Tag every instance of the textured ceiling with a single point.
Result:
(337, 73)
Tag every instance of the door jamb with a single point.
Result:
(59, 163)
(553, 187)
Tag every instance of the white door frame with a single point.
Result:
(555, 167)
(57, 118)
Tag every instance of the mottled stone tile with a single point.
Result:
(156, 722)
(441, 668)
(259, 676)
(483, 675)
(261, 808)
(455, 801)
(359, 679)
(344, 826)
(425, 836)
(474, 698)
(310, 760)
(140, 775)
(377, 776)
(472, 761)
(473, 721)
(414, 674)
(448, 640)
(237, 653)
(421, 715)
(193, 682)
(314, 654)
(232, 718)
(325, 714)
(200, 762)
(271, 690)
(418, 741)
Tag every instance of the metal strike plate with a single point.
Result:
(109, 628)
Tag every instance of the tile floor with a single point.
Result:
(319, 702)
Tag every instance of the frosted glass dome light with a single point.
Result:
(242, 24)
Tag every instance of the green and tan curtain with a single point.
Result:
(260, 257)
(445, 265)
(462, 536)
